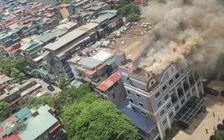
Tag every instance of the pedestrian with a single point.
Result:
(214, 127)
(195, 126)
(206, 130)
(213, 114)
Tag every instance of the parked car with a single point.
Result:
(211, 91)
(222, 93)
(220, 127)
(51, 88)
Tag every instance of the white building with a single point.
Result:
(155, 101)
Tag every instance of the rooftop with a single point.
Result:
(4, 78)
(110, 81)
(65, 39)
(39, 124)
(23, 112)
(89, 62)
(137, 119)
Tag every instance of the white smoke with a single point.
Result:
(189, 32)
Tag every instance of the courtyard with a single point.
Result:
(206, 120)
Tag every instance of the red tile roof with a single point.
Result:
(14, 48)
(89, 72)
(49, 15)
(15, 101)
(109, 81)
(11, 118)
(62, 6)
(54, 127)
(137, 2)
(101, 66)
(3, 85)
(1, 130)
(11, 137)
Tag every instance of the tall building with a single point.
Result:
(156, 100)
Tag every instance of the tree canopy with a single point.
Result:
(71, 113)
(30, 101)
(129, 9)
(220, 135)
(6, 64)
(16, 75)
(101, 120)
(62, 81)
(133, 17)
(4, 110)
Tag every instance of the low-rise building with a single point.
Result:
(32, 124)
(98, 68)
(64, 48)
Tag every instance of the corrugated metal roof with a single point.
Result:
(110, 61)
(64, 40)
(110, 81)
(23, 112)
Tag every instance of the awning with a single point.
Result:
(192, 107)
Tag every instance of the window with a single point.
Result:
(166, 97)
(171, 82)
(116, 84)
(160, 103)
(141, 104)
(164, 121)
(162, 112)
(182, 70)
(131, 100)
(177, 75)
(188, 95)
(113, 95)
(138, 95)
(182, 101)
(177, 107)
(152, 82)
(128, 92)
(133, 108)
(157, 95)
(143, 113)
(171, 114)
(164, 88)
(168, 106)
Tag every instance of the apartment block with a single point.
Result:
(57, 53)
(160, 99)
(98, 67)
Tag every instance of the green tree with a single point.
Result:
(71, 112)
(124, 2)
(67, 97)
(129, 9)
(62, 81)
(29, 101)
(101, 120)
(220, 135)
(4, 110)
(35, 73)
(16, 75)
(133, 17)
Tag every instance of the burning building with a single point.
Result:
(164, 85)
